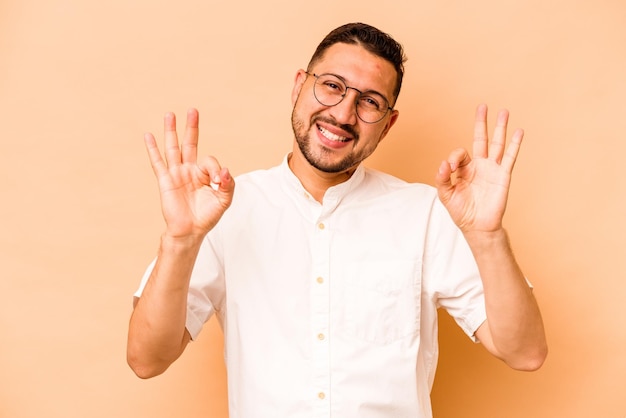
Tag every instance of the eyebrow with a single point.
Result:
(362, 92)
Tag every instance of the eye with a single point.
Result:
(371, 101)
(333, 86)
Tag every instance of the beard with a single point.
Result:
(322, 159)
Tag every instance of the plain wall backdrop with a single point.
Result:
(81, 81)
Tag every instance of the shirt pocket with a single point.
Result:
(382, 300)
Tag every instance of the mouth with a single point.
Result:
(331, 136)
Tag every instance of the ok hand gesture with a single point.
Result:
(194, 193)
(476, 198)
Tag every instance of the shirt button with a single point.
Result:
(321, 225)
(320, 336)
(320, 280)
(321, 395)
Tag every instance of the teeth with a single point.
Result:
(331, 135)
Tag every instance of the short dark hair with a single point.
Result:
(372, 39)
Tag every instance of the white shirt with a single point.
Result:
(330, 310)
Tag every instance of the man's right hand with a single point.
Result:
(195, 193)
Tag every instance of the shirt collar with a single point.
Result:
(333, 195)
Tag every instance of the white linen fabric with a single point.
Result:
(330, 310)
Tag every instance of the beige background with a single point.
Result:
(80, 81)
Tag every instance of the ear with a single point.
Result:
(392, 120)
(300, 78)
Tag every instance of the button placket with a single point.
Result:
(320, 251)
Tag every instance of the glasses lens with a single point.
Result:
(330, 90)
(371, 107)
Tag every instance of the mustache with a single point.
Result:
(331, 121)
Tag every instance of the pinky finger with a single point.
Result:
(512, 150)
(156, 160)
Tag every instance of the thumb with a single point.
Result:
(225, 186)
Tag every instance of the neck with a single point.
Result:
(314, 181)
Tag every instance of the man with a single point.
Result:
(325, 275)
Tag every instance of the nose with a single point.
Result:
(344, 112)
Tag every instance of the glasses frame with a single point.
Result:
(343, 96)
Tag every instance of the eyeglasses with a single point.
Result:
(330, 90)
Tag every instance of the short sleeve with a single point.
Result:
(452, 274)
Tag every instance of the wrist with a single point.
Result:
(498, 237)
(180, 242)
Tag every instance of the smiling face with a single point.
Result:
(334, 140)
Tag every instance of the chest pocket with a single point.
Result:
(382, 300)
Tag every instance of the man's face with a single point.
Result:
(334, 139)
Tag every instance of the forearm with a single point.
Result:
(515, 327)
(157, 334)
